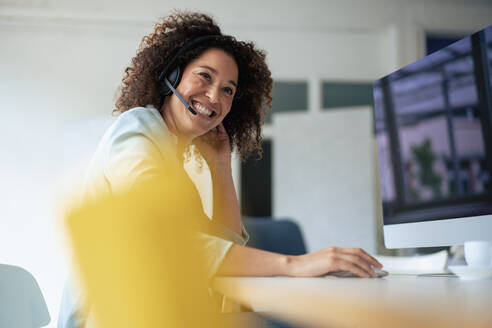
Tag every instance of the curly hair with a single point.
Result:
(139, 86)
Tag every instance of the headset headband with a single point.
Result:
(186, 47)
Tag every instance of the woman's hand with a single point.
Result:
(215, 147)
(333, 259)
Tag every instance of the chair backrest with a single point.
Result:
(22, 304)
(280, 236)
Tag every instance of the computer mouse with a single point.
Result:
(347, 274)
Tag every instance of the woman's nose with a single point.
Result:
(212, 93)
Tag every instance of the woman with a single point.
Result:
(191, 85)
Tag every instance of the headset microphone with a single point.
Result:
(179, 96)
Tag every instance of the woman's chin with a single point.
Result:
(201, 129)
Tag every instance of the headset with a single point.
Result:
(167, 82)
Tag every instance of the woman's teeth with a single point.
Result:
(203, 110)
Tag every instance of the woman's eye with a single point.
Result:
(229, 91)
(205, 75)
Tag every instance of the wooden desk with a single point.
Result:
(394, 301)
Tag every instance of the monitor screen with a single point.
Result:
(433, 128)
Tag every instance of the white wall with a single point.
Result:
(62, 61)
(56, 96)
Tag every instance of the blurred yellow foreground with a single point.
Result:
(138, 259)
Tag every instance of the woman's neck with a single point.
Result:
(182, 142)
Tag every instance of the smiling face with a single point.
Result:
(208, 84)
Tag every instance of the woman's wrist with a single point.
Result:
(289, 265)
(220, 167)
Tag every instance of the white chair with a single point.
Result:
(21, 302)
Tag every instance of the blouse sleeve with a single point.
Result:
(216, 246)
(132, 158)
(215, 250)
(221, 230)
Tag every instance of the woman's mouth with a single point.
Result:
(200, 108)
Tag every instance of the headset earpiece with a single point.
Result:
(173, 77)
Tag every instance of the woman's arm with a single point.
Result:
(247, 261)
(225, 204)
(216, 149)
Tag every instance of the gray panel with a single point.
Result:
(336, 94)
(288, 97)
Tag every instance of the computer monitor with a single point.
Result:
(433, 123)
